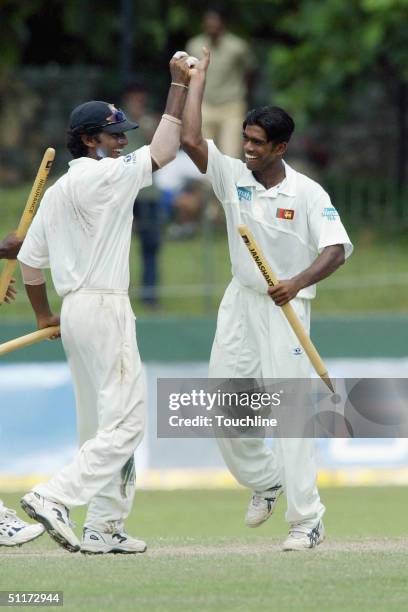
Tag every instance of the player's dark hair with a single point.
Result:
(134, 87)
(75, 145)
(276, 122)
(218, 10)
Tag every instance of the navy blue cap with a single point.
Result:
(97, 116)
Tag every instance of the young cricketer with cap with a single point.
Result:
(303, 239)
(14, 531)
(82, 232)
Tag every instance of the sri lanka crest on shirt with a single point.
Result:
(244, 194)
(285, 213)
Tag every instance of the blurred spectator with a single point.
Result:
(135, 101)
(182, 196)
(147, 212)
(229, 81)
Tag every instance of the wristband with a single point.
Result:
(172, 119)
(179, 85)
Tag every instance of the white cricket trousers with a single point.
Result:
(254, 340)
(98, 334)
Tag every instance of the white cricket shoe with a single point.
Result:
(54, 517)
(14, 531)
(262, 505)
(97, 542)
(303, 540)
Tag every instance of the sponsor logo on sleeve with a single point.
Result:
(129, 158)
(330, 213)
(244, 194)
(285, 213)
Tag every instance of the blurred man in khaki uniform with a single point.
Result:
(228, 81)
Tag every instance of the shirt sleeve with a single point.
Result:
(34, 251)
(325, 224)
(223, 173)
(130, 173)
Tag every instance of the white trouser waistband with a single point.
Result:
(98, 291)
(235, 281)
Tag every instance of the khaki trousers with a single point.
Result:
(223, 124)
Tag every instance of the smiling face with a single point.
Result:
(105, 145)
(260, 154)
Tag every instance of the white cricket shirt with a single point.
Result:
(292, 222)
(82, 229)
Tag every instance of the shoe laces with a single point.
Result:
(10, 516)
(7, 513)
(297, 531)
(115, 527)
(264, 496)
(257, 499)
(297, 534)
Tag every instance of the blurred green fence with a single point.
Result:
(194, 272)
(183, 339)
(372, 202)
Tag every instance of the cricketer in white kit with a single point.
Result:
(14, 531)
(82, 232)
(300, 233)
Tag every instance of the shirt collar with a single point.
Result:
(287, 187)
(247, 179)
(81, 160)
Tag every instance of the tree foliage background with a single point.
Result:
(326, 61)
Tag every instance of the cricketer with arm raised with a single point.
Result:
(82, 232)
(303, 239)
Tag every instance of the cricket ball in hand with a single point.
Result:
(180, 54)
(191, 61)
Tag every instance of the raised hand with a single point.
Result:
(201, 66)
(179, 68)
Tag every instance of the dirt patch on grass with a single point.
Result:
(27, 552)
(199, 549)
(366, 545)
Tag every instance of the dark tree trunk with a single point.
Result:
(402, 135)
(126, 42)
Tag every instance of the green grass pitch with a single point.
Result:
(201, 557)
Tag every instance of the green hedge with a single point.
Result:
(189, 339)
